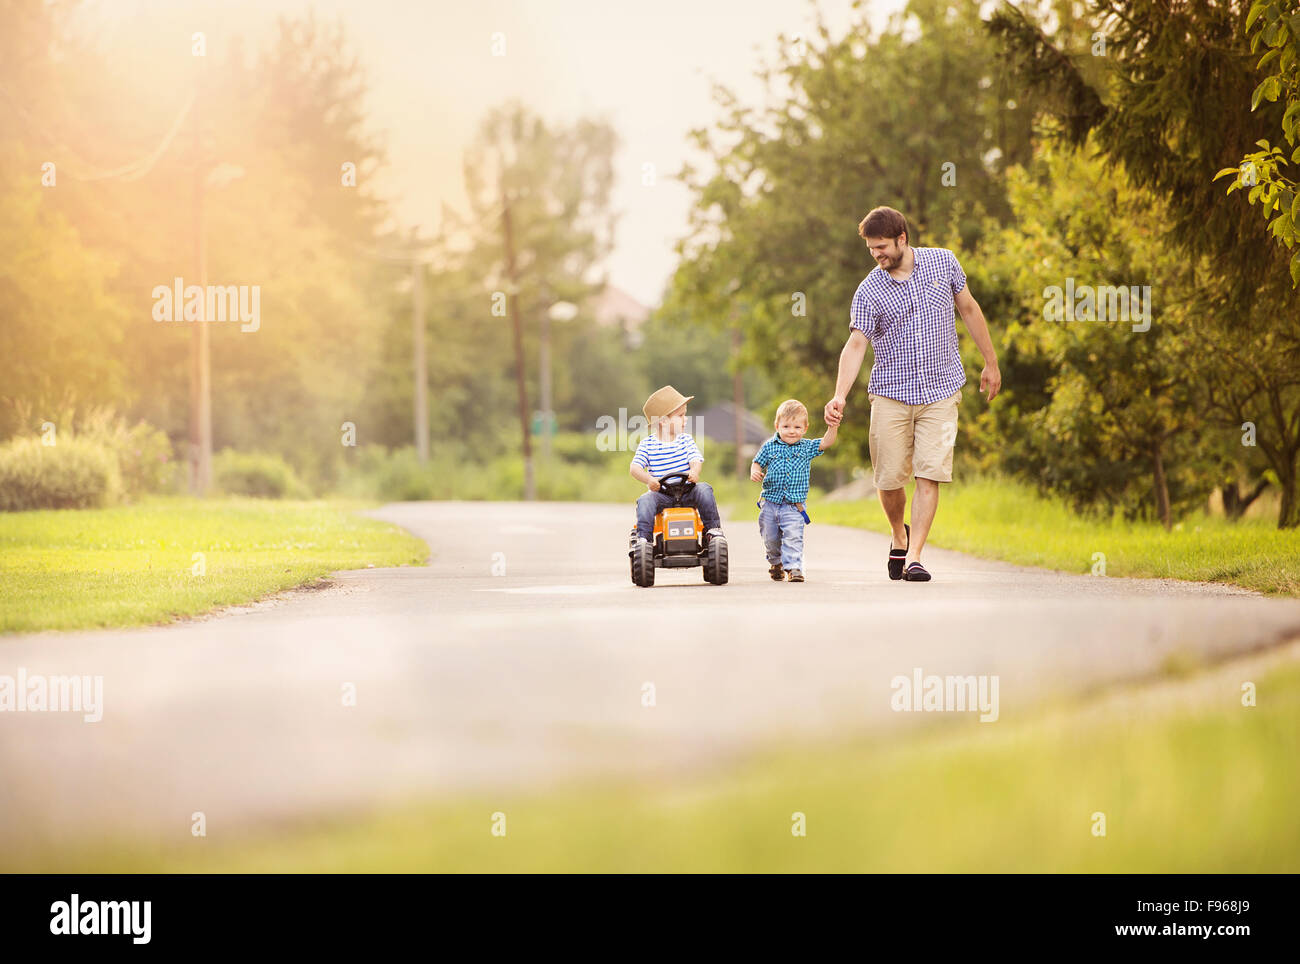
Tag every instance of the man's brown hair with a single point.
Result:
(883, 223)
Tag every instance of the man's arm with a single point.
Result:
(973, 318)
(855, 349)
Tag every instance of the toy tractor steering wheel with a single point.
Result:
(675, 489)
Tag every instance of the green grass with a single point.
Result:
(1199, 786)
(134, 565)
(1009, 521)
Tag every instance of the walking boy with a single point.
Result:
(783, 465)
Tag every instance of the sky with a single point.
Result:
(647, 69)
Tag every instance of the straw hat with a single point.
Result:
(664, 402)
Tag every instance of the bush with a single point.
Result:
(576, 447)
(144, 453)
(451, 473)
(401, 478)
(256, 474)
(74, 473)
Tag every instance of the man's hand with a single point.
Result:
(973, 317)
(991, 381)
(756, 472)
(834, 411)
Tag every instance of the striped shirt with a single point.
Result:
(912, 328)
(787, 468)
(661, 458)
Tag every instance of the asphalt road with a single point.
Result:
(520, 657)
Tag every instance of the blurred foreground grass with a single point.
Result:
(133, 565)
(1010, 521)
(1191, 781)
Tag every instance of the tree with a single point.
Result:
(1261, 171)
(1121, 416)
(1172, 111)
(61, 323)
(919, 117)
(540, 222)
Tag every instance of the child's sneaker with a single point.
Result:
(635, 542)
(794, 575)
(776, 572)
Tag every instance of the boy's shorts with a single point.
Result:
(912, 440)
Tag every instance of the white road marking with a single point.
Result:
(560, 590)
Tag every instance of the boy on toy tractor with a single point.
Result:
(677, 521)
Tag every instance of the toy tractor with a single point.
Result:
(678, 539)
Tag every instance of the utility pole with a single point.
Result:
(544, 356)
(512, 296)
(558, 311)
(421, 369)
(738, 396)
(200, 349)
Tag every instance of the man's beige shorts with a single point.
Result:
(912, 440)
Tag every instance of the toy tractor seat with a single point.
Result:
(679, 539)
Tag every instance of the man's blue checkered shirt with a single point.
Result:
(912, 328)
(787, 468)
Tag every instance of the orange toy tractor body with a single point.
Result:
(678, 540)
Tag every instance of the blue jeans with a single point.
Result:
(648, 506)
(781, 527)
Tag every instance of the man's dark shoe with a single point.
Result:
(916, 573)
(794, 575)
(898, 556)
(776, 572)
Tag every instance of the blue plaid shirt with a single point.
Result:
(787, 468)
(913, 329)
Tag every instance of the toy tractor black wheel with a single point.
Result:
(715, 561)
(643, 565)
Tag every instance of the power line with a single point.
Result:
(394, 257)
(127, 172)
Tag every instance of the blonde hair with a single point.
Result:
(656, 419)
(789, 409)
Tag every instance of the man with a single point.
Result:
(904, 307)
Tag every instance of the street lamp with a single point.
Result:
(560, 311)
(205, 180)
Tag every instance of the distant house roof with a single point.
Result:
(718, 422)
(615, 307)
